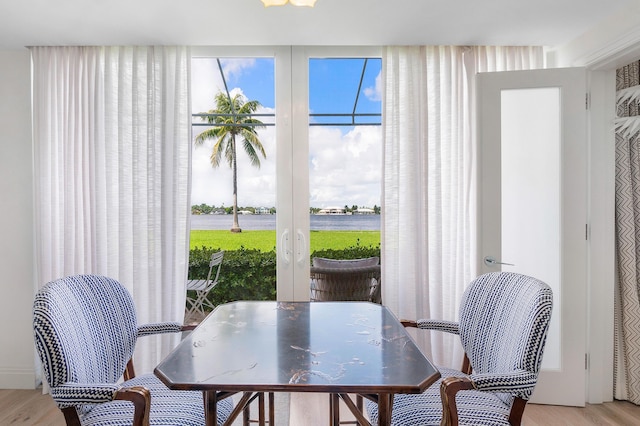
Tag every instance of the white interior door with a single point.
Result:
(533, 205)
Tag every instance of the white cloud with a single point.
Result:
(375, 93)
(344, 170)
(234, 67)
(206, 82)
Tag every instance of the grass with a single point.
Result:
(265, 241)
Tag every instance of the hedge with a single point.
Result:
(249, 274)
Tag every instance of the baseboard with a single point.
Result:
(17, 378)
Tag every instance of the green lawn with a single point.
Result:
(266, 240)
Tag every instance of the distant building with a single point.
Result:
(262, 210)
(332, 210)
(363, 210)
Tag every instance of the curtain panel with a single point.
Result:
(429, 184)
(627, 213)
(112, 165)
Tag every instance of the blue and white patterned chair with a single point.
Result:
(85, 332)
(504, 318)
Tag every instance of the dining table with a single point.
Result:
(343, 349)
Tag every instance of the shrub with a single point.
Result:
(249, 274)
(245, 274)
(354, 252)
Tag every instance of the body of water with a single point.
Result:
(365, 222)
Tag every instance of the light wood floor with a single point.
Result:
(31, 407)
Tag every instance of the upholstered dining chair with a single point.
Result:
(342, 280)
(503, 323)
(85, 331)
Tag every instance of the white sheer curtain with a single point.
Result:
(112, 158)
(429, 188)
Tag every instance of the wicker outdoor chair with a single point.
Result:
(346, 280)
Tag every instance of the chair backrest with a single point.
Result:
(504, 319)
(321, 262)
(85, 329)
(345, 280)
(215, 262)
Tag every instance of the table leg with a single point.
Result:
(385, 404)
(334, 409)
(210, 408)
(272, 410)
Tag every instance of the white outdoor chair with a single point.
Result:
(203, 287)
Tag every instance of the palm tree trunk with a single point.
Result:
(236, 225)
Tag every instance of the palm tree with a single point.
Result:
(232, 118)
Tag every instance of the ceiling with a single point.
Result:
(331, 22)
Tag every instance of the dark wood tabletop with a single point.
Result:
(338, 348)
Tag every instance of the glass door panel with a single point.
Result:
(345, 155)
(530, 168)
(233, 188)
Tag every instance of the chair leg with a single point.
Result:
(246, 415)
(334, 409)
(201, 297)
(196, 304)
(261, 409)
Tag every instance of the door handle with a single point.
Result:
(301, 247)
(491, 261)
(284, 247)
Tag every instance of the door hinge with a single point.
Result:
(586, 361)
(587, 100)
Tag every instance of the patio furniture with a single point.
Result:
(85, 333)
(345, 280)
(504, 318)
(201, 289)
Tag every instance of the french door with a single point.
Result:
(294, 253)
(291, 156)
(533, 205)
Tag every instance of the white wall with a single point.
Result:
(17, 262)
(612, 43)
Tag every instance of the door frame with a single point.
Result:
(601, 272)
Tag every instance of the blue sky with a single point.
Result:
(345, 161)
